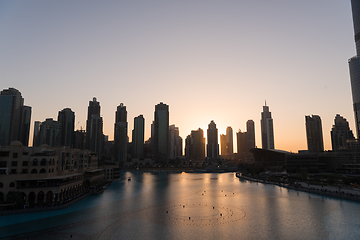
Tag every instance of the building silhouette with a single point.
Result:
(160, 138)
(226, 142)
(195, 145)
(212, 148)
(66, 118)
(246, 140)
(267, 129)
(94, 128)
(340, 133)
(314, 133)
(175, 142)
(120, 135)
(354, 66)
(36, 134)
(138, 137)
(50, 133)
(14, 118)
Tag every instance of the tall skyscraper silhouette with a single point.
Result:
(212, 141)
(267, 129)
(195, 145)
(229, 140)
(120, 135)
(161, 133)
(94, 128)
(138, 137)
(50, 133)
(14, 118)
(340, 133)
(354, 65)
(314, 133)
(66, 118)
(250, 135)
(175, 142)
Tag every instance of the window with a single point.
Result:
(14, 163)
(24, 171)
(25, 153)
(4, 154)
(13, 171)
(15, 155)
(3, 164)
(12, 184)
(25, 163)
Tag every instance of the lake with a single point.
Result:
(161, 205)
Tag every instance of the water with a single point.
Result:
(191, 205)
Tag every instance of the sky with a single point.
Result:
(208, 60)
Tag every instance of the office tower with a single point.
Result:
(229, 141)
(314, 133)
(25, 125)
(161, 133)
(36, 135)
(195, 145)
(94, 128)
(241, 141)
(14, 118)
(120, 135)
(267, 129)
(50, 133)
(340, 133)
(138, 137)
(223, 144)
(250, 135)
(66, 118)
(79, 139)
(354, 66)
(212, 141)
(175, 142)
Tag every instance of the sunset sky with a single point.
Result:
(208, 60)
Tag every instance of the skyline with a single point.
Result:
(221, 62)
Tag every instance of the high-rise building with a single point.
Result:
(195, 145)
(267, 129)
(314, 133)
(161, 133)
(50, 133)
(14, 118)
(354, 66)
(138, 137)
(66, 118)
(241, 141)
(36, 135)
(212, 141)
(223, 144)
(120, 135)
(94, 128)
(250, 135)
(340, 133)
(229, 141)
(175, 142)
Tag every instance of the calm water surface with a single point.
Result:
(192, 205)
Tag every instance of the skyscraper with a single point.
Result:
(212, 141)
(250, 135)
(50, 133)
(340, 133)
(66, 118)
(267, 129)
(223, 144)
(14, 117)
(94, 128)
(120, 135)
(354, 66)
(175, 142)
(229, 141)
(195, 145)
(36, 135)
(241, 141)
(161, 133)
(138, 137)
(314, 133)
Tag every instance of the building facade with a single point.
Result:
(314, 133)
(120, 135)
(212, 148)
(267, 129)
(175, 142)
(138, 138)
(66, 118)
(340, 133)
(94, 128)
(160, 137)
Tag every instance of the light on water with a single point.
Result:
(192, 205)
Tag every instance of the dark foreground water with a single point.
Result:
(192, 206)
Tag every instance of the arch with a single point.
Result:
(35, 162)
(2, 197)
(1, 185)
(43, 162)
(31, 197)
(12, 184)
(49, 170)
(49, 196)
(42, 170)
(33, 171)
(41, 197)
